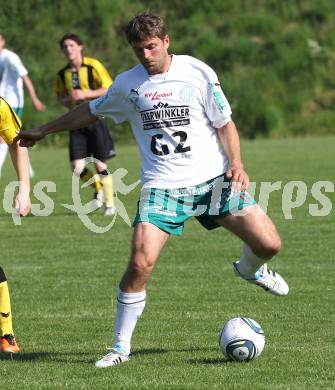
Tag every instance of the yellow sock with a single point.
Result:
(6, 326)
(97, 184)
(107, 186)
(86, 175)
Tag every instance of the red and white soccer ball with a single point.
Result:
(241, 339)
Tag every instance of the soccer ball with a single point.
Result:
(241, 339)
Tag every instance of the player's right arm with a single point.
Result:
(63, 96)
(9, 124)
(20, 161)
(77, 118)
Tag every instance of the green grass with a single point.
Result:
(63, 280)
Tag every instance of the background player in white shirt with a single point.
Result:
(13, 75)
(191, 156)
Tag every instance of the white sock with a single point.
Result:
(249, 263)
(3, 154)
(129, 309)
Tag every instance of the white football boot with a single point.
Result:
(269, 280)
(98, 200)
(109, 211)
(113, 358)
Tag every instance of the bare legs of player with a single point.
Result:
(261, 242)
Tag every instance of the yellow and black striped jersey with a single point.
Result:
(9, 122)
(91, 75)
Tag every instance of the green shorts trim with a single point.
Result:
(18, 111)
(170, 209)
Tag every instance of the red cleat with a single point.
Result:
(8, 344)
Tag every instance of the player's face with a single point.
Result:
(153, 54)
(72, 50)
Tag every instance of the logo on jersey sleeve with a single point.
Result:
(218, 95)
(164, 115)
(133, 97)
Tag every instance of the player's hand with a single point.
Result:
(78, 94)
(38, 105)
(22, 204)
(29, 138)
(239, 177)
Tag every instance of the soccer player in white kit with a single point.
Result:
(191, 166)
(13, 75)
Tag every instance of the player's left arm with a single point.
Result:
(231, 142)
(102, 80)
(218, 111)
(20, 160)
(38, 105)
(79, 94)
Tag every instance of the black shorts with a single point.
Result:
(92, 141)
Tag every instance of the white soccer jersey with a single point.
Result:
(11, 84)
(174, 117)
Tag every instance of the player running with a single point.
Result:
(9, 124)
(192, 166)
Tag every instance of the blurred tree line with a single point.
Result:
(275, 58)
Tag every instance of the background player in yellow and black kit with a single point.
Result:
(9, 124)
(83, 79)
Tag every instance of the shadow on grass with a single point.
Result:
(209, 361)
(85, 358)
(205, 361)
(149, 351)
(62, 357)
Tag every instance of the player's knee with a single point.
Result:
(269, 248)
(78, 168)
(141, 266)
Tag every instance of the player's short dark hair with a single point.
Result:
(144, 26)
(73, 37)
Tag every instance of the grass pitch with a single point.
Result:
(63, 280)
